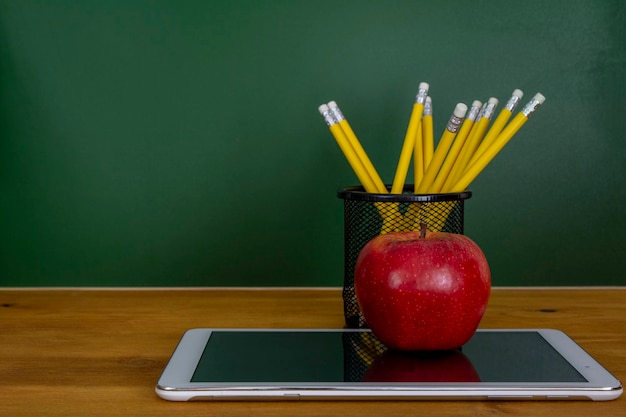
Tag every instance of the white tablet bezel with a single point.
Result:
(174, 383)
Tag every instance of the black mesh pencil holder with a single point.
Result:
(360, 350)
(368, 215)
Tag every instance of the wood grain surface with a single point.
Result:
(99, 352)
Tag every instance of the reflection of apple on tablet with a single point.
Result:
(436, 366)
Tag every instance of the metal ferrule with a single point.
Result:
(473, 113)
(512, 103)
(531, 107)
(483, 108)
(328, 118)
(428, 108)
(420, 98)
(454, 123)
(336, 113)
(490, 109)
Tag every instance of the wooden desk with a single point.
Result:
(100, 352)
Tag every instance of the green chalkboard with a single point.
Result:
(178, 143)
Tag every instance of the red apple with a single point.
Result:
(440, 366)
(422, 290)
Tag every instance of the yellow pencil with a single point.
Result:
(417, 211)
(442, 148)
(498, 124)
(389, 215)
(427, 129)
(409, 142)
(418, 153)
(471, 143)
(507, 133)
(418, 156)
(346, 148)
(456, 147)
(358, 149)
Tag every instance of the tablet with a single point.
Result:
(351, 364)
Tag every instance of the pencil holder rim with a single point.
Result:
(357, 193)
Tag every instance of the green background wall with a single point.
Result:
(147, 142)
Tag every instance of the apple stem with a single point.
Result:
(423, 229)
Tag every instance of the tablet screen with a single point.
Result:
(334, 357)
